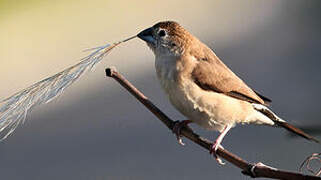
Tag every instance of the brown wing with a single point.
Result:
(266, 100)
(212, 74)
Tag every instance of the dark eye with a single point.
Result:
(161, 33)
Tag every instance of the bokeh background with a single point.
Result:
(96, 130)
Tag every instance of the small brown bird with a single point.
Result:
(202, 87)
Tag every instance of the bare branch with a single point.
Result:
(253, 170)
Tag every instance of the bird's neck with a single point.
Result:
(166, 67)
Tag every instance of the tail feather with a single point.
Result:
(297, 131)
(279, 122)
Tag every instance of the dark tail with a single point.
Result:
(279, 122)
(296, 131)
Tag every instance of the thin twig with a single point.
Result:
(253, 170)
(306, 164)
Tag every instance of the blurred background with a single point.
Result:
(96, 130)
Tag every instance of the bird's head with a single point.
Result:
(166, 38)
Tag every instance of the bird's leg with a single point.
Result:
(177, 129)
(217, 143)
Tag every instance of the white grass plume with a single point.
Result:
(13, 110)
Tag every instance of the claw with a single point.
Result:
(217, 144)
(213, 151)
(177, 130)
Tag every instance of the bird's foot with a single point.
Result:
(177, 130)
(213, 150)
(217, 144)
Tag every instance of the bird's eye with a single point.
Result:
(162, 33)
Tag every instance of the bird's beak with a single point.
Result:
(147, 36)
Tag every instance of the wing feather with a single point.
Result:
(212, 74)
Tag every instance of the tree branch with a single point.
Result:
(253, 170)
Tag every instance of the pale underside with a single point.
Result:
(208, 109)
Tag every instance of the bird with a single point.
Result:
(201, 87)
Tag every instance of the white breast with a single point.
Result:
(185, 96)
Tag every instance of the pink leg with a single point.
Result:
(217, 143)
(177, 129)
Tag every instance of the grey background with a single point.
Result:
(107, 134)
